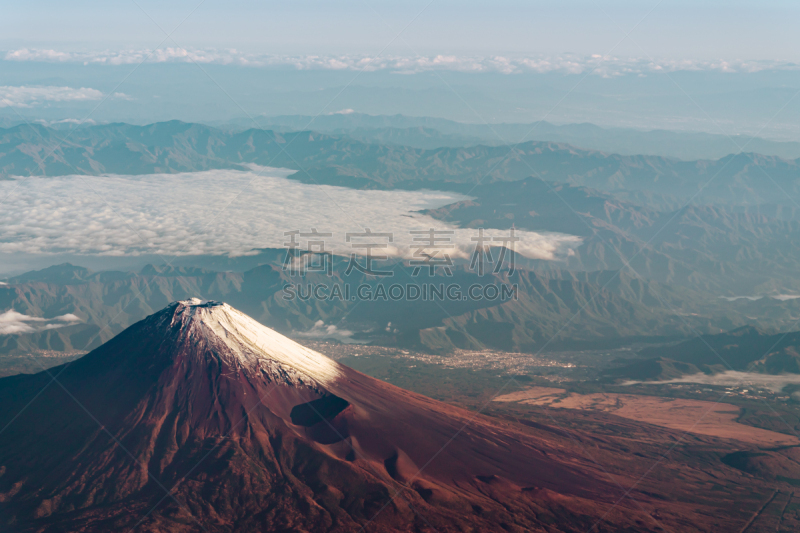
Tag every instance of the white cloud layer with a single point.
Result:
(222, 212)
(322, 331)
(12, 323)
(71, 121)
(25, 96)
(603, 65)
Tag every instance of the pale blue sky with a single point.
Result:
(713, 65)
(675, 29)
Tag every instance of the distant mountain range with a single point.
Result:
(572, 309)
(545, 302)
(745, 349)
(711, 247)
(430, 133)
(748, 180)
(739, 237)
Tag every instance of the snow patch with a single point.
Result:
(253, 344)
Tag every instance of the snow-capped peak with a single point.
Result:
(251, 343)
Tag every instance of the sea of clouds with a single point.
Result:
(604, 65)
(223, 212)
(29, 96)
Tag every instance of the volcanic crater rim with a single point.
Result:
(197, 302)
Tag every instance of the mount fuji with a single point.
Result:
(198, 418)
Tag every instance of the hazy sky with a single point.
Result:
(722, 66)
(675, 29)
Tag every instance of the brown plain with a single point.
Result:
(696, 416)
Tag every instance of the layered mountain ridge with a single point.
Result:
(745, 349)
(612, 304)
(320, 158)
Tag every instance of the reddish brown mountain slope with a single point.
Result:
(249, 431)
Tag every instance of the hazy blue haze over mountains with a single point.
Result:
(742, 179)
(624, 207)
(427, 132)
(738, 104)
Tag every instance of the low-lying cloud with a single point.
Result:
(14, 323)
(28, 96)
(781, 297)
(70, 121)
(225, 212)
(322, 331)
(603, 65)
